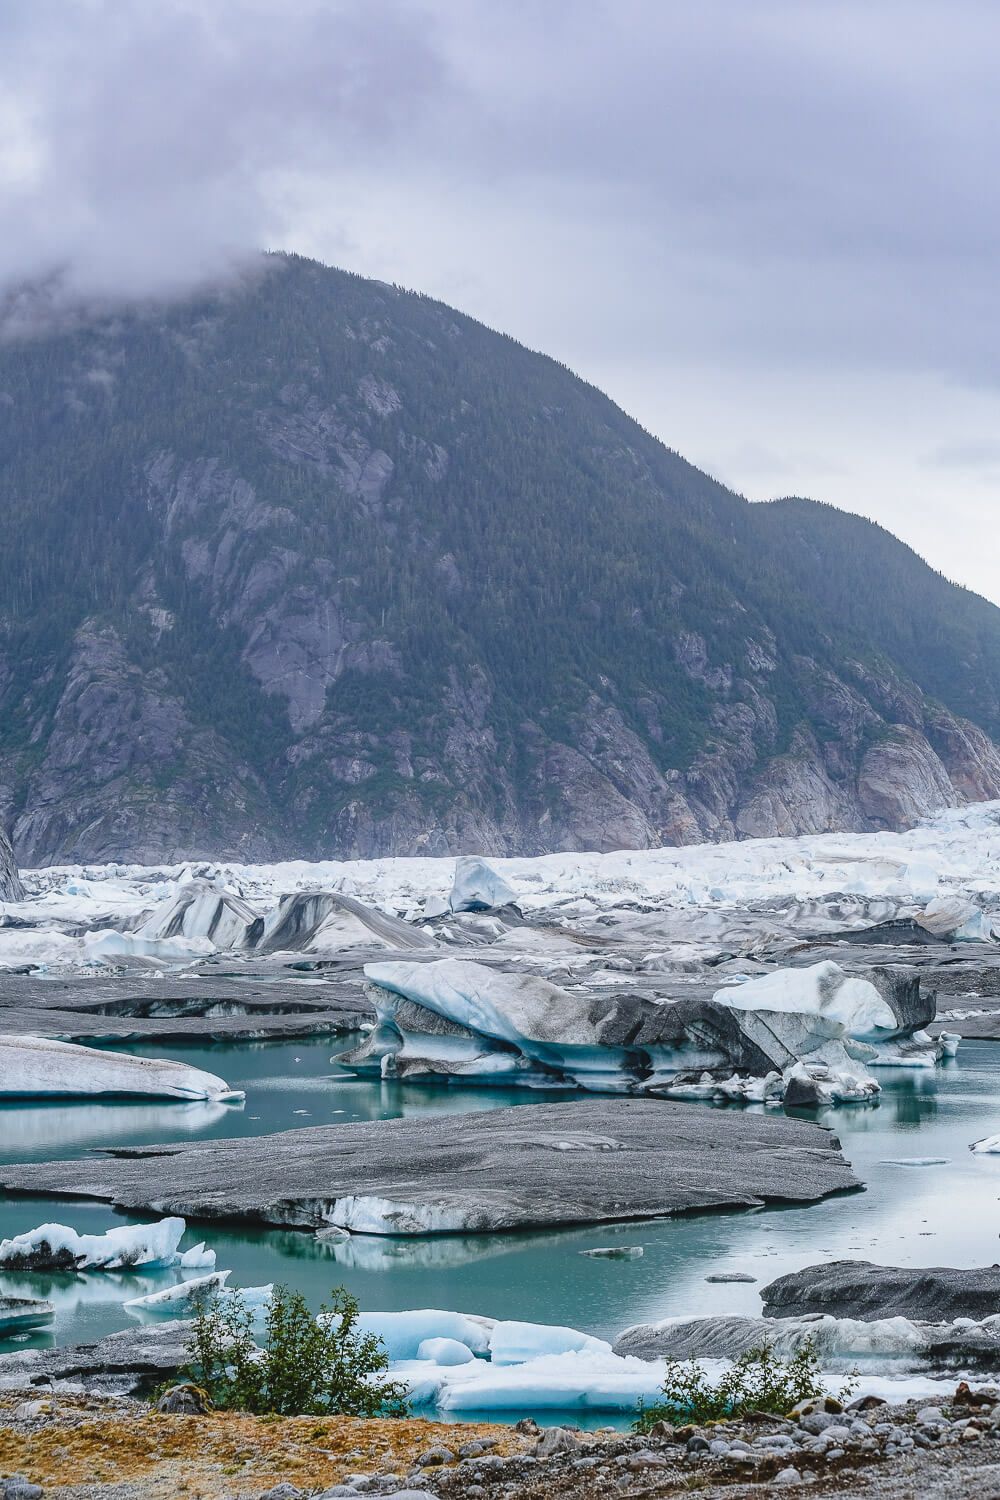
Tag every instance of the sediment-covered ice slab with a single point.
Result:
(539, 1165)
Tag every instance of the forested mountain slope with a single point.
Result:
(316, 566)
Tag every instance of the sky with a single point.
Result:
(769, 229)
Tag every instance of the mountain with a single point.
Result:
(316, 566)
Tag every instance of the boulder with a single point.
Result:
(861, 1289)
(886, 1343)
(11, 888)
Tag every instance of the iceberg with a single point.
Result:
(19, 1314)
(445, 1352)
(513, 1343)
(328, 922)
(201, 910)
(854, 1006)
(840, 1343)
(132, 1247)
(461, 1019)
(34, 1067)
(180, 1300)
(478, 888)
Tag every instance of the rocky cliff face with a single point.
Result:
(11, 888)
(322, 568)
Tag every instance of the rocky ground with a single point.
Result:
(84, 1447)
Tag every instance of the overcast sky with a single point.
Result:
(770, 229)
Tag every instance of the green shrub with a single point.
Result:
(305, 1366)
(758, 1380)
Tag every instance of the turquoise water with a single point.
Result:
(947, 1214)
(287, 1084)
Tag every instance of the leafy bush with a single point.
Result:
(305, 1366)
(758, 1380)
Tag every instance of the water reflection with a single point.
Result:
(41, 1131)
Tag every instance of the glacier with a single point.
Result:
(38, 1067)
(940, 879)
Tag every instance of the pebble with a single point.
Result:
(787, 1476)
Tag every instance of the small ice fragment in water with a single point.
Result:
(914, 1161)
(615, 1252)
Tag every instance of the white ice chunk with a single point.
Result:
(823, 990)
(176, 1300)
(444, 1352)
(477, 887)
(402, 1333)
(197, 1257)
(513, 1343)
(32, 1066)
(132, 1247)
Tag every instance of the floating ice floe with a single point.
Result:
(33, 1067)
(988, 1146)
(615, 1252)
(177, 1301)
(131, 1247)
(186, 1297)
(840, 1343)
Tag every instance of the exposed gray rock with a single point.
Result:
(861, 1289)
(918, 1344)
(126, 769)
(134, 1361)
(11, 888)
(539, 1165)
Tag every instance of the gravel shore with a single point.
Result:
(68, 1446)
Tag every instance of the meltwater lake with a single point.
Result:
(928, 1201)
